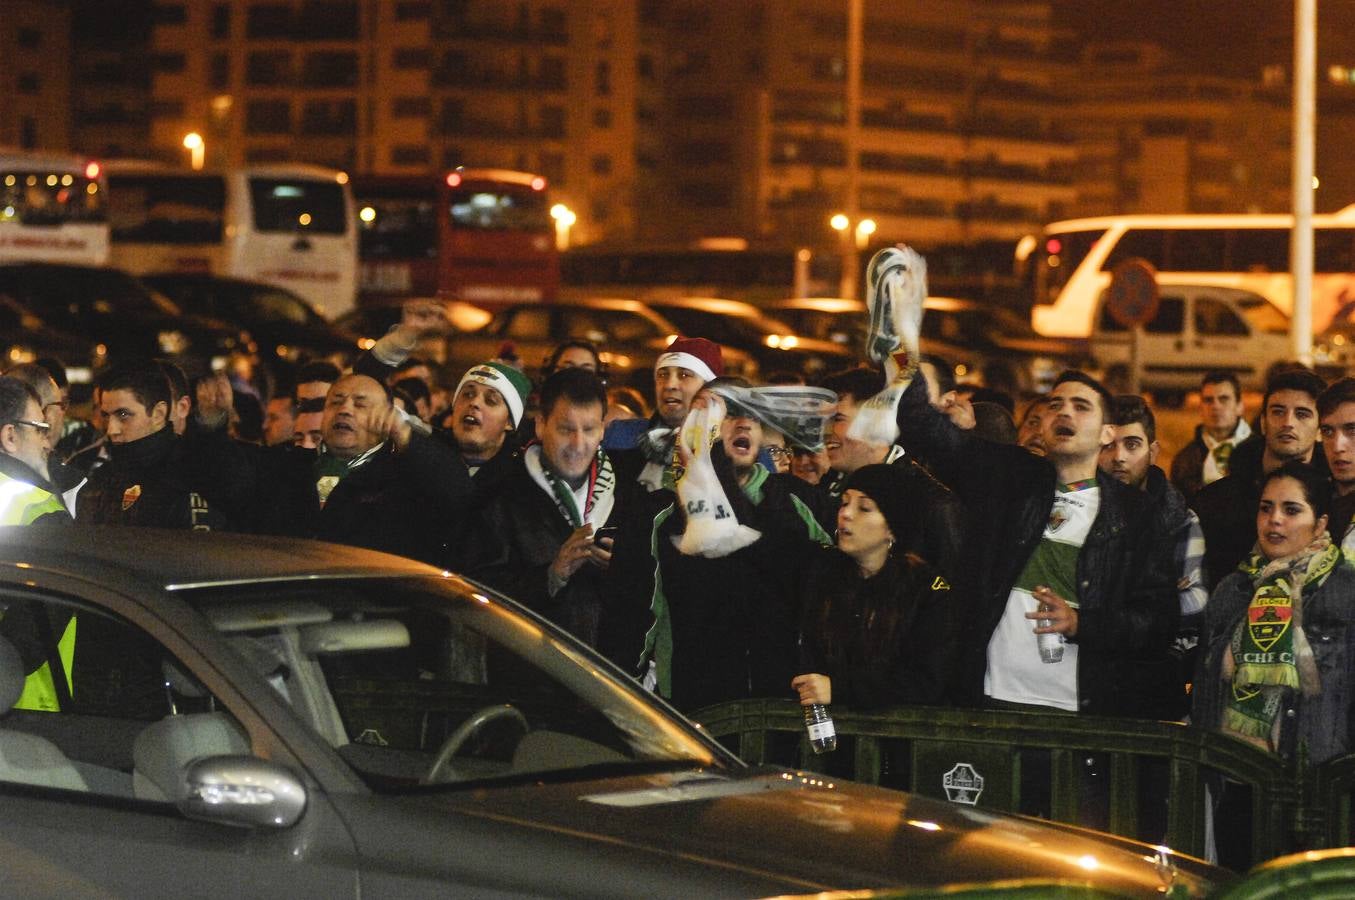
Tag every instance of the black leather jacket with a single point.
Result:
(1128, 608)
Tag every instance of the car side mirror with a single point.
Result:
(244, 791)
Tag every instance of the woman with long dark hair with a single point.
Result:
(877, 625)
(1279, 667)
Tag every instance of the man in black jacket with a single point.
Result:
(536, 539)
(146, 481)
(375, 483)
(1053, 547)
(1131, 458)
(1205, 459)
(1227, 508)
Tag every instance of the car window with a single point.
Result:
(731, 330)
(1170, 318)
(1214, 318)
(605, 325)
(120, 718)
(529, 324)
(430, 681)
(269, 305)
(1264, 316)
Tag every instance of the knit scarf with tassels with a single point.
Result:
(1270, 655)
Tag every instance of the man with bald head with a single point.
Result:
(374, 482)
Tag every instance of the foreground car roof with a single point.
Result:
(172, 560)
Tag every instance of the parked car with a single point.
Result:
(308, 720)
(1334, 346)
(993, 346)
(372, 319)
(1197, 328)
(117, 314)
(774, 344)
(283, 324)
(985, 344)
(25, 337)
(836, 319)
(629, 334)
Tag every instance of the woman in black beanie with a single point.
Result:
(877, 627)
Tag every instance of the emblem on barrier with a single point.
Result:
(963, 784)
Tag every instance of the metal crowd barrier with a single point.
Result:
(1151, 786)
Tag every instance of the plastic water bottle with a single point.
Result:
(1050, 644)
(819, 724)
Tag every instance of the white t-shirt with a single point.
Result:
(1015, 672)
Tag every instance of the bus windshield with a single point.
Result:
(500, 207)
(293, 205)
(49, 198)
(398, 227)
(1059, 258)
(167, 208)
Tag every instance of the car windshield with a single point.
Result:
(974, 326)
(76, 297)
(231, 301)
(419, 681)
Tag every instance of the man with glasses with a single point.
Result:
(27, 497)
(26, 492)
(66, 479)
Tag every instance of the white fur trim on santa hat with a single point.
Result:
(685, 361)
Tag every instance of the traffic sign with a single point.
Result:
(1132, 297)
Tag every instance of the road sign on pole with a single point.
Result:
(1132, 299)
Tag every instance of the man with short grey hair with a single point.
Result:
(26, 492)
(66, 479)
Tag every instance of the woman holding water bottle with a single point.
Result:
(877, 627)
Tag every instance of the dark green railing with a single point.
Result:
(1293, 806)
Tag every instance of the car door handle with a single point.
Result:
(1180, 345)
(301, 244)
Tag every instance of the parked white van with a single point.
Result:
(1197, 328)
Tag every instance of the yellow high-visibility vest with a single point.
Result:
(23, 504)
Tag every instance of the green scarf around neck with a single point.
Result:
(1269, 654)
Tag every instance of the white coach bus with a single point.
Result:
(1073, 261)
(289, 225)
(52, 209)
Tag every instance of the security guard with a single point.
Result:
(27, 497)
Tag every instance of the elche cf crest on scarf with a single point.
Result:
(1268, 622)
(896, 289)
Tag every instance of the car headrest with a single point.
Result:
(11, 676)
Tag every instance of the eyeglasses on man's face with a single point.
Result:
(40, 426)
(62, 405)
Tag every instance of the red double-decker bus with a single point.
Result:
(483, 236)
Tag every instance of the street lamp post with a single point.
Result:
(853, 236)
(195, 145)
(564, 220)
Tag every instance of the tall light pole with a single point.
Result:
(1301, 238)
(195, 145)
(850, 257)
(564, 220)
